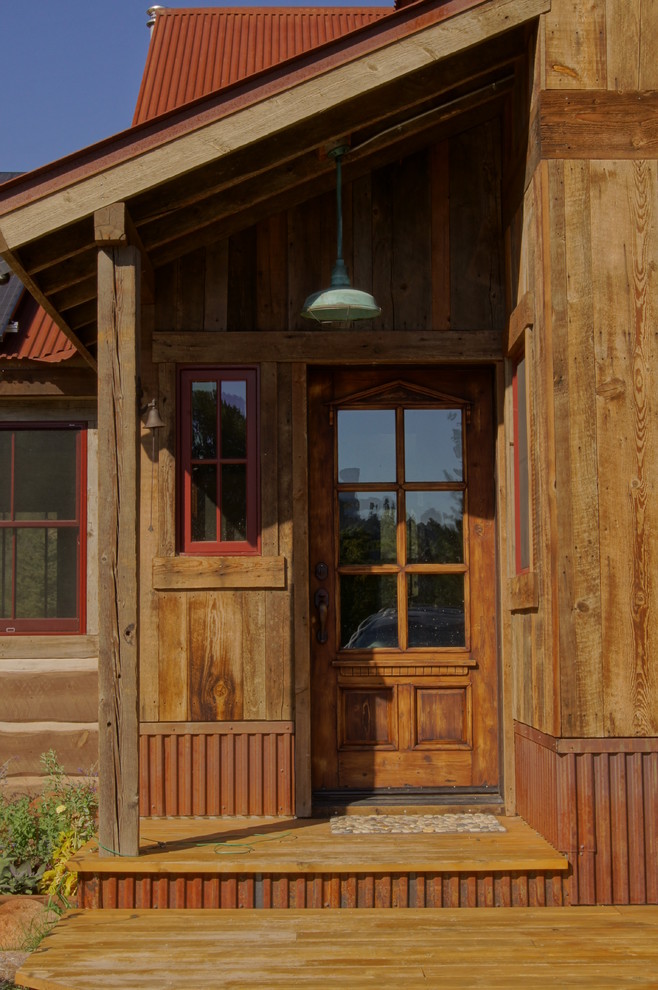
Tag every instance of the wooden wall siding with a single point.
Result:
(259, 278)
(601, 44)
(596, 800)
(417, 890)
(243, 769)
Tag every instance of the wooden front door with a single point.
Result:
(404, 672)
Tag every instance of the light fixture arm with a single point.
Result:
(340, 303)
(339, 277)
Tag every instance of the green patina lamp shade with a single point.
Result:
(340, 306)
(340, 303)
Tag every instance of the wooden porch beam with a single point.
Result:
(324, 346)
(119, 269)
(113, 226)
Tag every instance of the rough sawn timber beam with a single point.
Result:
(298, 99)
(324, 346)
(119, 270)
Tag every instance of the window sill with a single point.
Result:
(212, 573)
(523, 592)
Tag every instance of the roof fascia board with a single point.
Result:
(236, 126)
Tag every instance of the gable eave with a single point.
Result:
(267, 132)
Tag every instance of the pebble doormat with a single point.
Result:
(414, 824)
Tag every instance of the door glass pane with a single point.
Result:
(368, 611)
(45, 474)
(435, 605)
(5, 474)
(434, 527)
(234, 419)
(433, 445)
(204, 503)
(367, 527)
(234, 502)
(204, 420)
(366, 446)
(46, 573)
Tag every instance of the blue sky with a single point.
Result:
(71, 72)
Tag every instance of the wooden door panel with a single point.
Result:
(442, 717)
(368, 717)
(404, 696)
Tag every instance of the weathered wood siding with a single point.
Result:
(582, 240)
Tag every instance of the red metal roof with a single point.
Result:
(195, 52)
(38, 338)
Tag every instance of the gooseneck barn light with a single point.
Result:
(340, 303)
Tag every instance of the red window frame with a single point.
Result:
(522, 548)
(49, 626)
(219, 374)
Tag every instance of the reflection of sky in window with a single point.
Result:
(235, 394)
(366, 445)
(433, 445)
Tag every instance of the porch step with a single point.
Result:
(300, 863)
(312, 950)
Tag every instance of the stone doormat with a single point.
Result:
(398, 824)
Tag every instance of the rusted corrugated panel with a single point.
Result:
(217, 773)
(38, 338)
(128, 889)
(604, 793)
(193, 53)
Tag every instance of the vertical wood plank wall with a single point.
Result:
(583, 240)
(233, 655)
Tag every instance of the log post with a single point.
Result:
(119, 273)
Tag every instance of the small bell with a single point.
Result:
(153, 420)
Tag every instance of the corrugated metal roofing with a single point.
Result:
(38, 338)
(195, 52)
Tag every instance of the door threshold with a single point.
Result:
(426, 802)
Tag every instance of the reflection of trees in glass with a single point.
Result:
(437, 538)
(233, 443)
(234, 426)
(367, 539)
(204, 420)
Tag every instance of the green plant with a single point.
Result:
(33, 830)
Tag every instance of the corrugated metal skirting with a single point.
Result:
(596, 800)
(229, 770)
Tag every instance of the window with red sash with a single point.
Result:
(219, 486)
(42, 527)
(521, 466)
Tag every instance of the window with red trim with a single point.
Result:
(219, 461)
(42, 528)
(521, 466)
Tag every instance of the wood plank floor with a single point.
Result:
(493, 948)
(248, 845)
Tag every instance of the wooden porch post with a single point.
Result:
(119, 269)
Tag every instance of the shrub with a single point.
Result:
(37, 833)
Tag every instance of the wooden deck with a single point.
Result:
(313, 950)
(295, 863)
